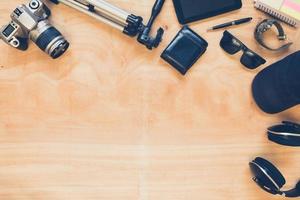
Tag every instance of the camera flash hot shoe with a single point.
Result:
(129, 24)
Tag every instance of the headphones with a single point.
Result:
(270, 179)
(265, 174)
(266, 25)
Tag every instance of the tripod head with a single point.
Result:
(129, 24)
(144, 35)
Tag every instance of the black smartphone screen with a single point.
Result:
(192, 10)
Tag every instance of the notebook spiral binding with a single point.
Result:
(276, 15)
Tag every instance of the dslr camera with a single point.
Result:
(31, 21)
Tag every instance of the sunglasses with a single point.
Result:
(232, 45)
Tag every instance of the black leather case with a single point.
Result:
(185, 49)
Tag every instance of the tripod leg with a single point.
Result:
(110, 11)
(86, 10)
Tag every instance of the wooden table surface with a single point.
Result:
(110, 120)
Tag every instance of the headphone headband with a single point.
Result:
(293, 192)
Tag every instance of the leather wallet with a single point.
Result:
(185, 49)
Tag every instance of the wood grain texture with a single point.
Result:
(110, 120)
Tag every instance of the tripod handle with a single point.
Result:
(157, 7)
(144, 36)
(155, 11)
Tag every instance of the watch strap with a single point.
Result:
(264, 26)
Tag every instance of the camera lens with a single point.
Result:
(52, 42)
(49, 39)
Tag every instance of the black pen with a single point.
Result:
(236, 22)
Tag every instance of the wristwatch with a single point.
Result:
(266, 25)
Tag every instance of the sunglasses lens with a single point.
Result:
(230, 44)
(251, 60)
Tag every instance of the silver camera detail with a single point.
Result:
(31, 21)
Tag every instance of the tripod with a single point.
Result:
(129, 24)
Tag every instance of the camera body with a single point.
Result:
(31, 21)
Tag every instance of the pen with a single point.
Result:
(232, 23)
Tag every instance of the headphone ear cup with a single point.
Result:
(287, 134)
(262, 178)
(284, 140)
(272, 173)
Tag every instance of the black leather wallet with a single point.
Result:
(185, 49)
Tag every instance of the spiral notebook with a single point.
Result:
(285, 10)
